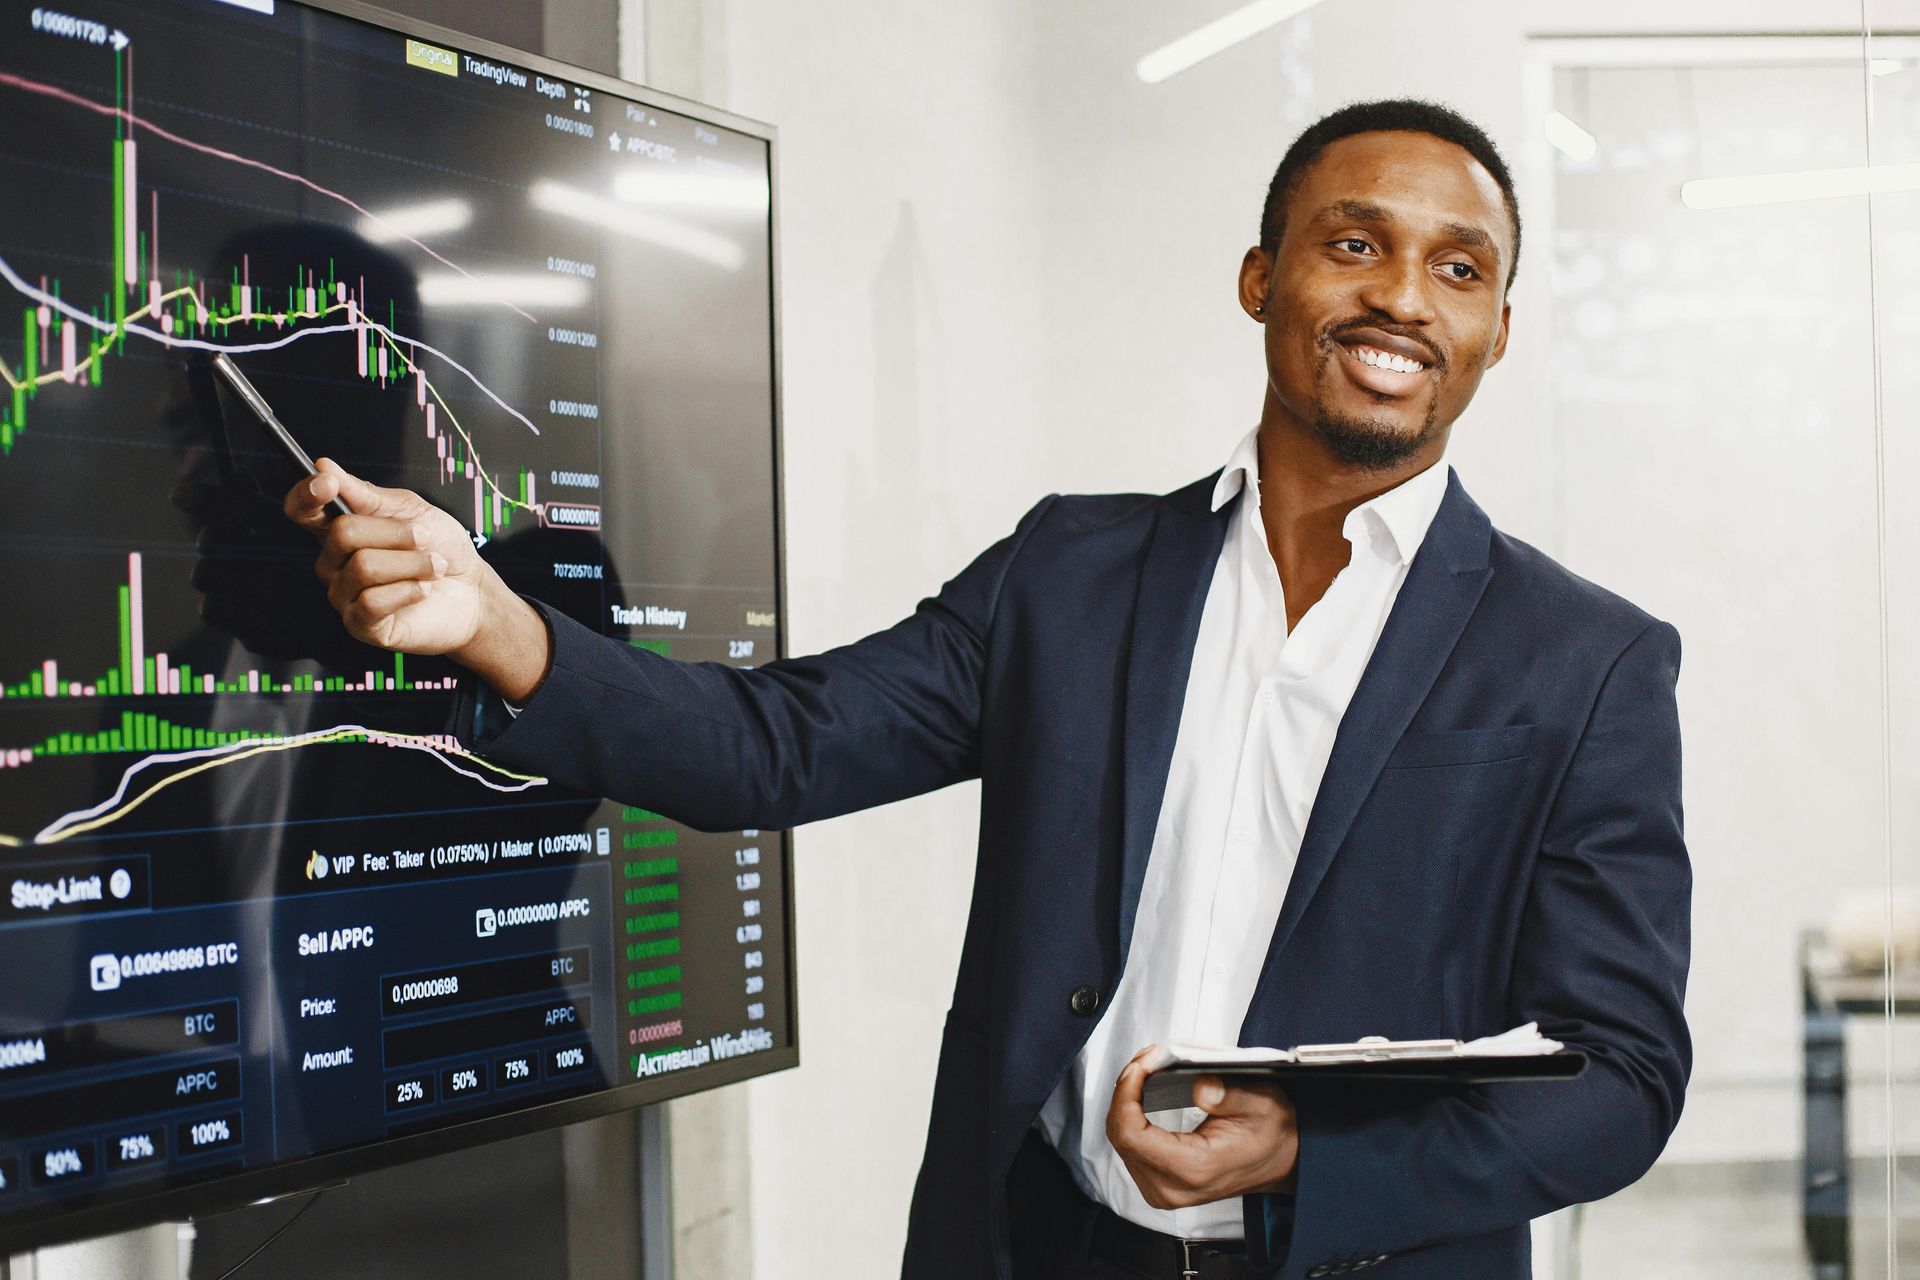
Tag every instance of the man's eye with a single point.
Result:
(1466, 271)
(1348, 242)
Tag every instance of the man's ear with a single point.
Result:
(1256, 279)
(1500, 338)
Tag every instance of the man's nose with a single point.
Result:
(1399, 288)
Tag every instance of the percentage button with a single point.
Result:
(63, 1162)
(459, 1082)
(409, 1092)
(140, 1146)
(572, 1059)
(515, 1069)
(215, 1133)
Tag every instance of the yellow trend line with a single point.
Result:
(258, 748)
(407, 364)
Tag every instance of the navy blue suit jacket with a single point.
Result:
(1497, 840)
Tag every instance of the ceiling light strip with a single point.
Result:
(1809, 184)
(1221, 34)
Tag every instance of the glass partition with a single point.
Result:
(1892, 111)
(1723, 414)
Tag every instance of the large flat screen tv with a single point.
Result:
(265, 921)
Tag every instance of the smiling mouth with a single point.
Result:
(1386, 373)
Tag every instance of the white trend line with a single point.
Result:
(432, 747)
(200, 344)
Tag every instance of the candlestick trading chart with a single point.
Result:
(264, 901)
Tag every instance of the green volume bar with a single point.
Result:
(139, 732)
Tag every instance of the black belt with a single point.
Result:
(1146, 1252)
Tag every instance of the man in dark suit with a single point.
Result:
(1301, 752)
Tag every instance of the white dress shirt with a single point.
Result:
(1256, 728)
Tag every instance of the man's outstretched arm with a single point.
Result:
(893, 715)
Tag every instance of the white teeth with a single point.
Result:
(1388, 360)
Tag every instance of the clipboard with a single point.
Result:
(1518, 1055)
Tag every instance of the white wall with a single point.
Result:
(915, 437)
(1009, 269)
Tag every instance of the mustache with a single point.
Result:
(1333, 333)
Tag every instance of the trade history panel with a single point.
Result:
(266, 919)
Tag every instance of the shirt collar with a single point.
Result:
(1404, 512)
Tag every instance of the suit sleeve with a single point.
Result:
(722, 748)
(1601, 964)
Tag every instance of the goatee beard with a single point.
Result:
(1371, 444)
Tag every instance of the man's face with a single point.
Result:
(1385, 300)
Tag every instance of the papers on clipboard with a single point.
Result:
(1520, 1054)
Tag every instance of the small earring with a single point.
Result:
(1259, 308)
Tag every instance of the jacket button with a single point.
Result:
(1083, 1001)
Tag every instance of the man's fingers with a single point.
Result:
(1127, 1125)
(1160, 1162)
(349, 535)
(368, 616)
(363, 498)
(373, 568)
(1228, 1098)
(306, 503)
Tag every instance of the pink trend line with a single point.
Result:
(51, 91)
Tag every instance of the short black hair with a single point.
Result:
(1384, 115)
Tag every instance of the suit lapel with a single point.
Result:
(1181, 551)
(1444, 584)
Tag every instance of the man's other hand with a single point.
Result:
(1249, 1143)
(404, 575)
